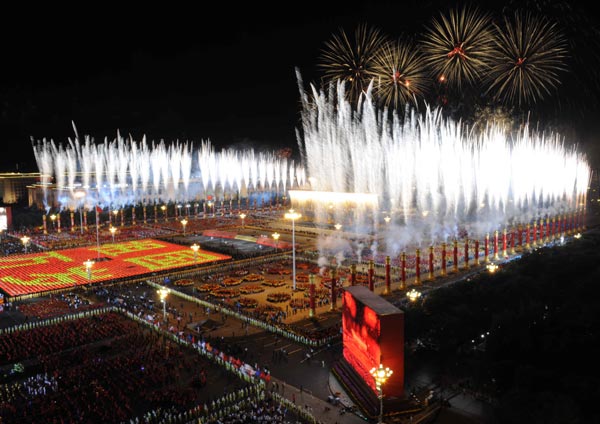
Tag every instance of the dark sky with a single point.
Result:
(224, 74)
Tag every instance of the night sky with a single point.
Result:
(226, 73)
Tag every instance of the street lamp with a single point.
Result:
(243, 216)
(164, 209)
(195, 248)
(387, 219)
(338, 226)
(210, 205)
(115, 213)
(25, 240)
(113, 230)
(88, 267)
(293, 216)
(184, 223)
(275, 236)
(80, 195)
(53, 218)
(380, 375)
(162, 293)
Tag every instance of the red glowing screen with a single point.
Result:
(373, 335)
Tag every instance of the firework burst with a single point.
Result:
(399, 74)
(458, 46)
(530, 54)
(350, 59)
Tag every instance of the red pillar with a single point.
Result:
(504, 253)
(527, 230)
(476, 252)
(444, 260)
(371, 277)
(403, 271)
(388, 279)
(312, 311)
(466, 253)
(44, 223)
(534, 230)
(72, 221)
(333, 292)
(431, 278)
(496, 257)
(455, 256)
(418, 267)
(486, 248)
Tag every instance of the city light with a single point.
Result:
(380, 375)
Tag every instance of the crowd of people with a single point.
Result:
(104, 368)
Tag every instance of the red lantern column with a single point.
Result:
(534, 242)
(455, 256)
(403, 271)
(333, 293)
(418, 267)
(85, 219)
(486, 249)
(133, 215)
(388, 280)
(504, 254)
(512, 241)
(431, 277)
(312, 311)
(371, 272)
(444, 260)
(496, 256)
(72, 221)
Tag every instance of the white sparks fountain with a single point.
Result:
(432, 177)
(126, 172)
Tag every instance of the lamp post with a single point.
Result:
(338, 226)
(25, 240)
(293, 216)
(184, 223)
(387, 219)
(113, 230)
(115, 213)
(88, 267)
(195, 248)
(380, 375)
(243, 216)
(275, 236)
(53, 219)
(162, 293)
(80, 195)
(164, 209)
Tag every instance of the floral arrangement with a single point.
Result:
(274, 283)
(240, 272)
(278, 297)
(253, 277)
(251, 289)
(208, 287)
(247, 302)
(184, 282)
(229, 282)
(223, 292)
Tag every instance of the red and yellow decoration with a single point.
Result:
(39, 272)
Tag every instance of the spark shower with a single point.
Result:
(429, 177)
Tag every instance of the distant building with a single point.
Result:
(13, 186)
